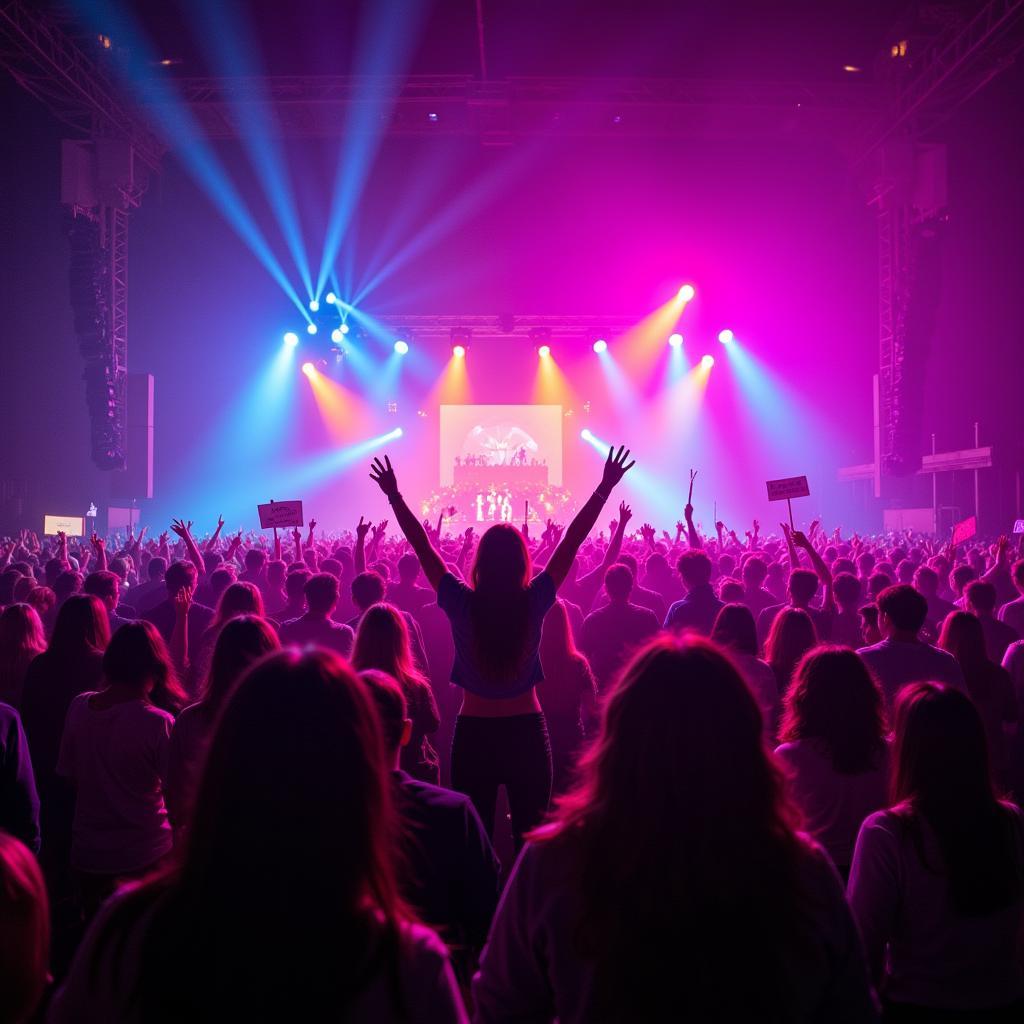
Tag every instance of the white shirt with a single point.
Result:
(834, 805)
(896, 663)
(117, 758)
(931, 955)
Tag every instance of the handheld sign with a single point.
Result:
(73, 526)
(787, 489)
(1018, 526)
(965, 530)
(280, 514)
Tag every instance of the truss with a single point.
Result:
(320, 106)
(47, 63)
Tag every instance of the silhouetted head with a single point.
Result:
(735, 629)
(695, 569)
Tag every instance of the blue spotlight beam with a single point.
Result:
(382, 54)
(325, 465)
(232, 44)
(175, 122)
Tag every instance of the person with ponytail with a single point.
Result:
(501, 736)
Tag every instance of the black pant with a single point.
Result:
(513, 752)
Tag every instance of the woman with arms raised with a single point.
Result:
(500, 736)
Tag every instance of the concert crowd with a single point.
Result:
(586, 772)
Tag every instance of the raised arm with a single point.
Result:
(467, 545)
(615, 468)
(359, 551)
(794, 555)
(692, 536)
(99, 545)
(823, 571)
(184, 531)
(211, 544)
(431, 562)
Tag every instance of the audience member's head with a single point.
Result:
(408, 569)
(243, 640)
(926, 581)
(1018, 575)
(392, 709)
(336, 893)
(791, 636)
(295, 586)
(367, 589)
(158, 566)
(960, 577)
(834, 699)
(276, 570)
(980, 598)
(242, 598)
(180, 576)
(382, 641)
(21, 634)
(694, 568)
(803, 585)
(735, 629)
(82, 627)
(941, 773)
(24, 932)
(680, 740)
(68, 583)
(321, 592)
(105, 585)
(901, 612)
(502, 561)
(618, 582)
(847, 590)
(730, 590)
(136, 660)
(963, 636)
(255, 561)
(754, 572)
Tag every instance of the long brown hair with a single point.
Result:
(82, 627)
(382, 642)
(834, 698)
(683, 842)
(21, 640)
(792, 635)
(498, 611)
(243, 640)
(24, 931)
(136, 657)
(940, 772)
(962, 636)
(284, 899)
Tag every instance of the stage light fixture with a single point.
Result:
(330, 298)
(458, 351)
(675, 340)
(311, 328)
(687, 292)
(707, 362)
(336, 335)
(344, 328)
(401, 347)
(544, 350)
(314, 306)
(600, 346)
(291, 339)
(725, 336)
(586, 435)
(308, 369)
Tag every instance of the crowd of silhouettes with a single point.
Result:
(760, 778)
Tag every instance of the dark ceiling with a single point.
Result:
(748, 39)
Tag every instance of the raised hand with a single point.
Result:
(556, 533)
(183, 602)
(97, 542)
(220, 522)
(647, 532)
(625, 514)
(615, 468)
(378, 530)
(799, 538)
(163, 538)
(296, 535)
(680, 526)
(362, 529)
(468, 535)
(785, 530)
(62, 537)
(612, 527)
(181, 528)
(312, 525)
(384, 476)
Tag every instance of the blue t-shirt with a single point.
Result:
(454, 598)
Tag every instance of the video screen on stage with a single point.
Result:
(501, 442)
